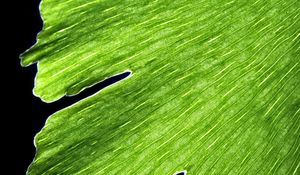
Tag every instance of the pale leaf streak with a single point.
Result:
(296, 15)
(283, 159)
(228, 3)
(157, 70)
(139, 145)
(103, 169)
(87, 108)
(214, 38)
(228, 53)
(183, 25)
(141, 123)
(48, 27)
(71, 67)
(183, 113)
(67, 28)
(279, 28)
(145, 41)
(273, 63)
(260, 20)
(125, 124)
(275, 163)
(229, 91)
(112, 17)
(190, 40)
(67, 169)
(117, 149)
(94, 142)
(206, 132)
(140, 91)
(210, 51)
(63, 58)
(167, 152)
(288, 72)
(271, 149)
(255, 2)
(187, 93)
(167, 22)
(296, 37)
(83, 5)
(149, 20)
(172, 72)
(82, 70)
(181, 78)
(224, 69)
(296, 169)
(82, 170)
(109, 9)
(212, 143)
(264, 27)
(297, 157)
(171, 138)
(266, 79)
(141, 104)
(296, 115)
(279, 58)
(279, 113)
(249, 65)
(273, 105)
(129, 58)
(242, 116)
(243, 161)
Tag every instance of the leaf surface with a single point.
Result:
(214, 87)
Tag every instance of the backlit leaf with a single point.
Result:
(214, 87)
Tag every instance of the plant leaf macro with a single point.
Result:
(213, 87)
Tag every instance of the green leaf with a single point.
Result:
(214, 87)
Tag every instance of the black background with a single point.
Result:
(29, 113)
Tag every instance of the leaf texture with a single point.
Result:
(214, 87)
